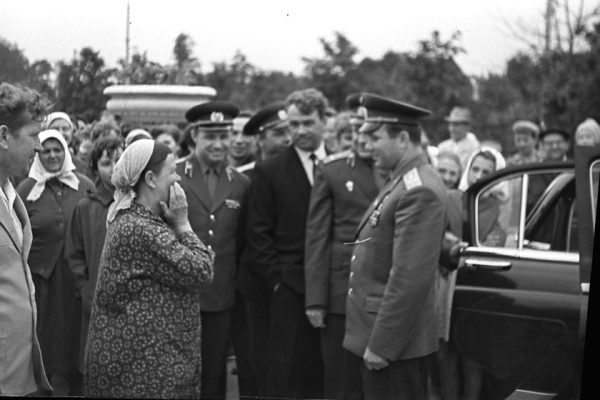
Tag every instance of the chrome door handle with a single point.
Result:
(585, 288)
(487, 265)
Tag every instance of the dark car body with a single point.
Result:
(521, 298)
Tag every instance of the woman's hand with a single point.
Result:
(176, 213)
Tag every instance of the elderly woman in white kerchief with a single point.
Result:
(144, 335)
(51, 192)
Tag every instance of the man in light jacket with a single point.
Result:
(21, 368)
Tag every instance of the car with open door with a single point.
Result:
(522, 288)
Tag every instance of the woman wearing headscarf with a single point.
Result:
(493, 205)
(144, 335)
(587, 133)
(51, 192)
(61, 122)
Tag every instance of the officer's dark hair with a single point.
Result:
(109, 144)
(16, 101)
(414, 132)
(160, 152)
(307, 101)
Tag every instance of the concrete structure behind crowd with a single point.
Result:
(144, 105)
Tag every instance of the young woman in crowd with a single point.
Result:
(86, 232)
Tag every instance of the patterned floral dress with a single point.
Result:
(144, 335)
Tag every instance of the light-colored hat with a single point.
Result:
(526, 127)
(589, 125)
(459, 114)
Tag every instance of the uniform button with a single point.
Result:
(212, 217)
(351, 275)
(353, 257)
(209, 247)
(210, 232)
(350, 291)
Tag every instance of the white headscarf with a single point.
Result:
(127, 173)
(50, 118)
(41, 175)
(135, 133)
(500, 163)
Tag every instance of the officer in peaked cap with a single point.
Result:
(269, 125)
(356, 119)
(345, 185)
(391, 322)
(216, 195)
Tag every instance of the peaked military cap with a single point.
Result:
(212, 115)
(353, 102)
(378, 110)
(272, 116)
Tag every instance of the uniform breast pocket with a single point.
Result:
(372, 304)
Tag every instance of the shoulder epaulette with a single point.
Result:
(412, 179)
(246, 167)
(338, 156)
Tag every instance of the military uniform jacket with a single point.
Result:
(344, 187)
(217, 223)
(391, 303)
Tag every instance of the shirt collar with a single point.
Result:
(8, 194)
(305, 155)
(205, 167)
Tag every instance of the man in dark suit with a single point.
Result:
(269, 124)
(216, 195)
(280, 195)
(391, 304)
(345, 185)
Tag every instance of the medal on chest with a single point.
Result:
(349, 186)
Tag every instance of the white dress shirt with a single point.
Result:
(307, 163)
(8, 195)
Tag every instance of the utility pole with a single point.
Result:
(127, 37)
(549, 18)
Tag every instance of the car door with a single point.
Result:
(518, 300)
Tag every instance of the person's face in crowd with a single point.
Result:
(449, 172)
(21, 145)
(363, 145)
(64, 127)
(52, 155)
(345, 140)
(480, 168)
(165, 178)
(307, 129)
(330, 139)
(586, 138)
(242, 146)
(525, 143)
(85, 148)
(212, 146)
(168, 141)
(274, 141)
(458, 130)
(555, 146)
(386, 151)
(106, 165)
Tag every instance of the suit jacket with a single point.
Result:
(21, 367)
(277, 210)
(391, 304)
(217, 222)
(344, 187)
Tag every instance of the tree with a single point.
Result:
(141, 71)
(40, 78)
(333, 73)
(80, 84)
(14, 66)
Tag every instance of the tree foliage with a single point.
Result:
(80, 84)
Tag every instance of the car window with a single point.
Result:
(498, 208)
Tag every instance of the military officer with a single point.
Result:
(390, 308)
(345, 185)
(216, 196)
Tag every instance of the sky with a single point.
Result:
(274, 35)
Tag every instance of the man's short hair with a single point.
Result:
(102, 126)
(110, 144)
(307, 101)
(16, 100)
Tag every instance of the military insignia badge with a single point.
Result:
(187, 169)
(282, 115)
(350, 186)
(232, 204)
(374, 218)
(412, 179)
(217, 117)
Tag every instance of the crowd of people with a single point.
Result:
(320, 248)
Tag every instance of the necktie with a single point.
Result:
(211, 181)
(314, 160)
